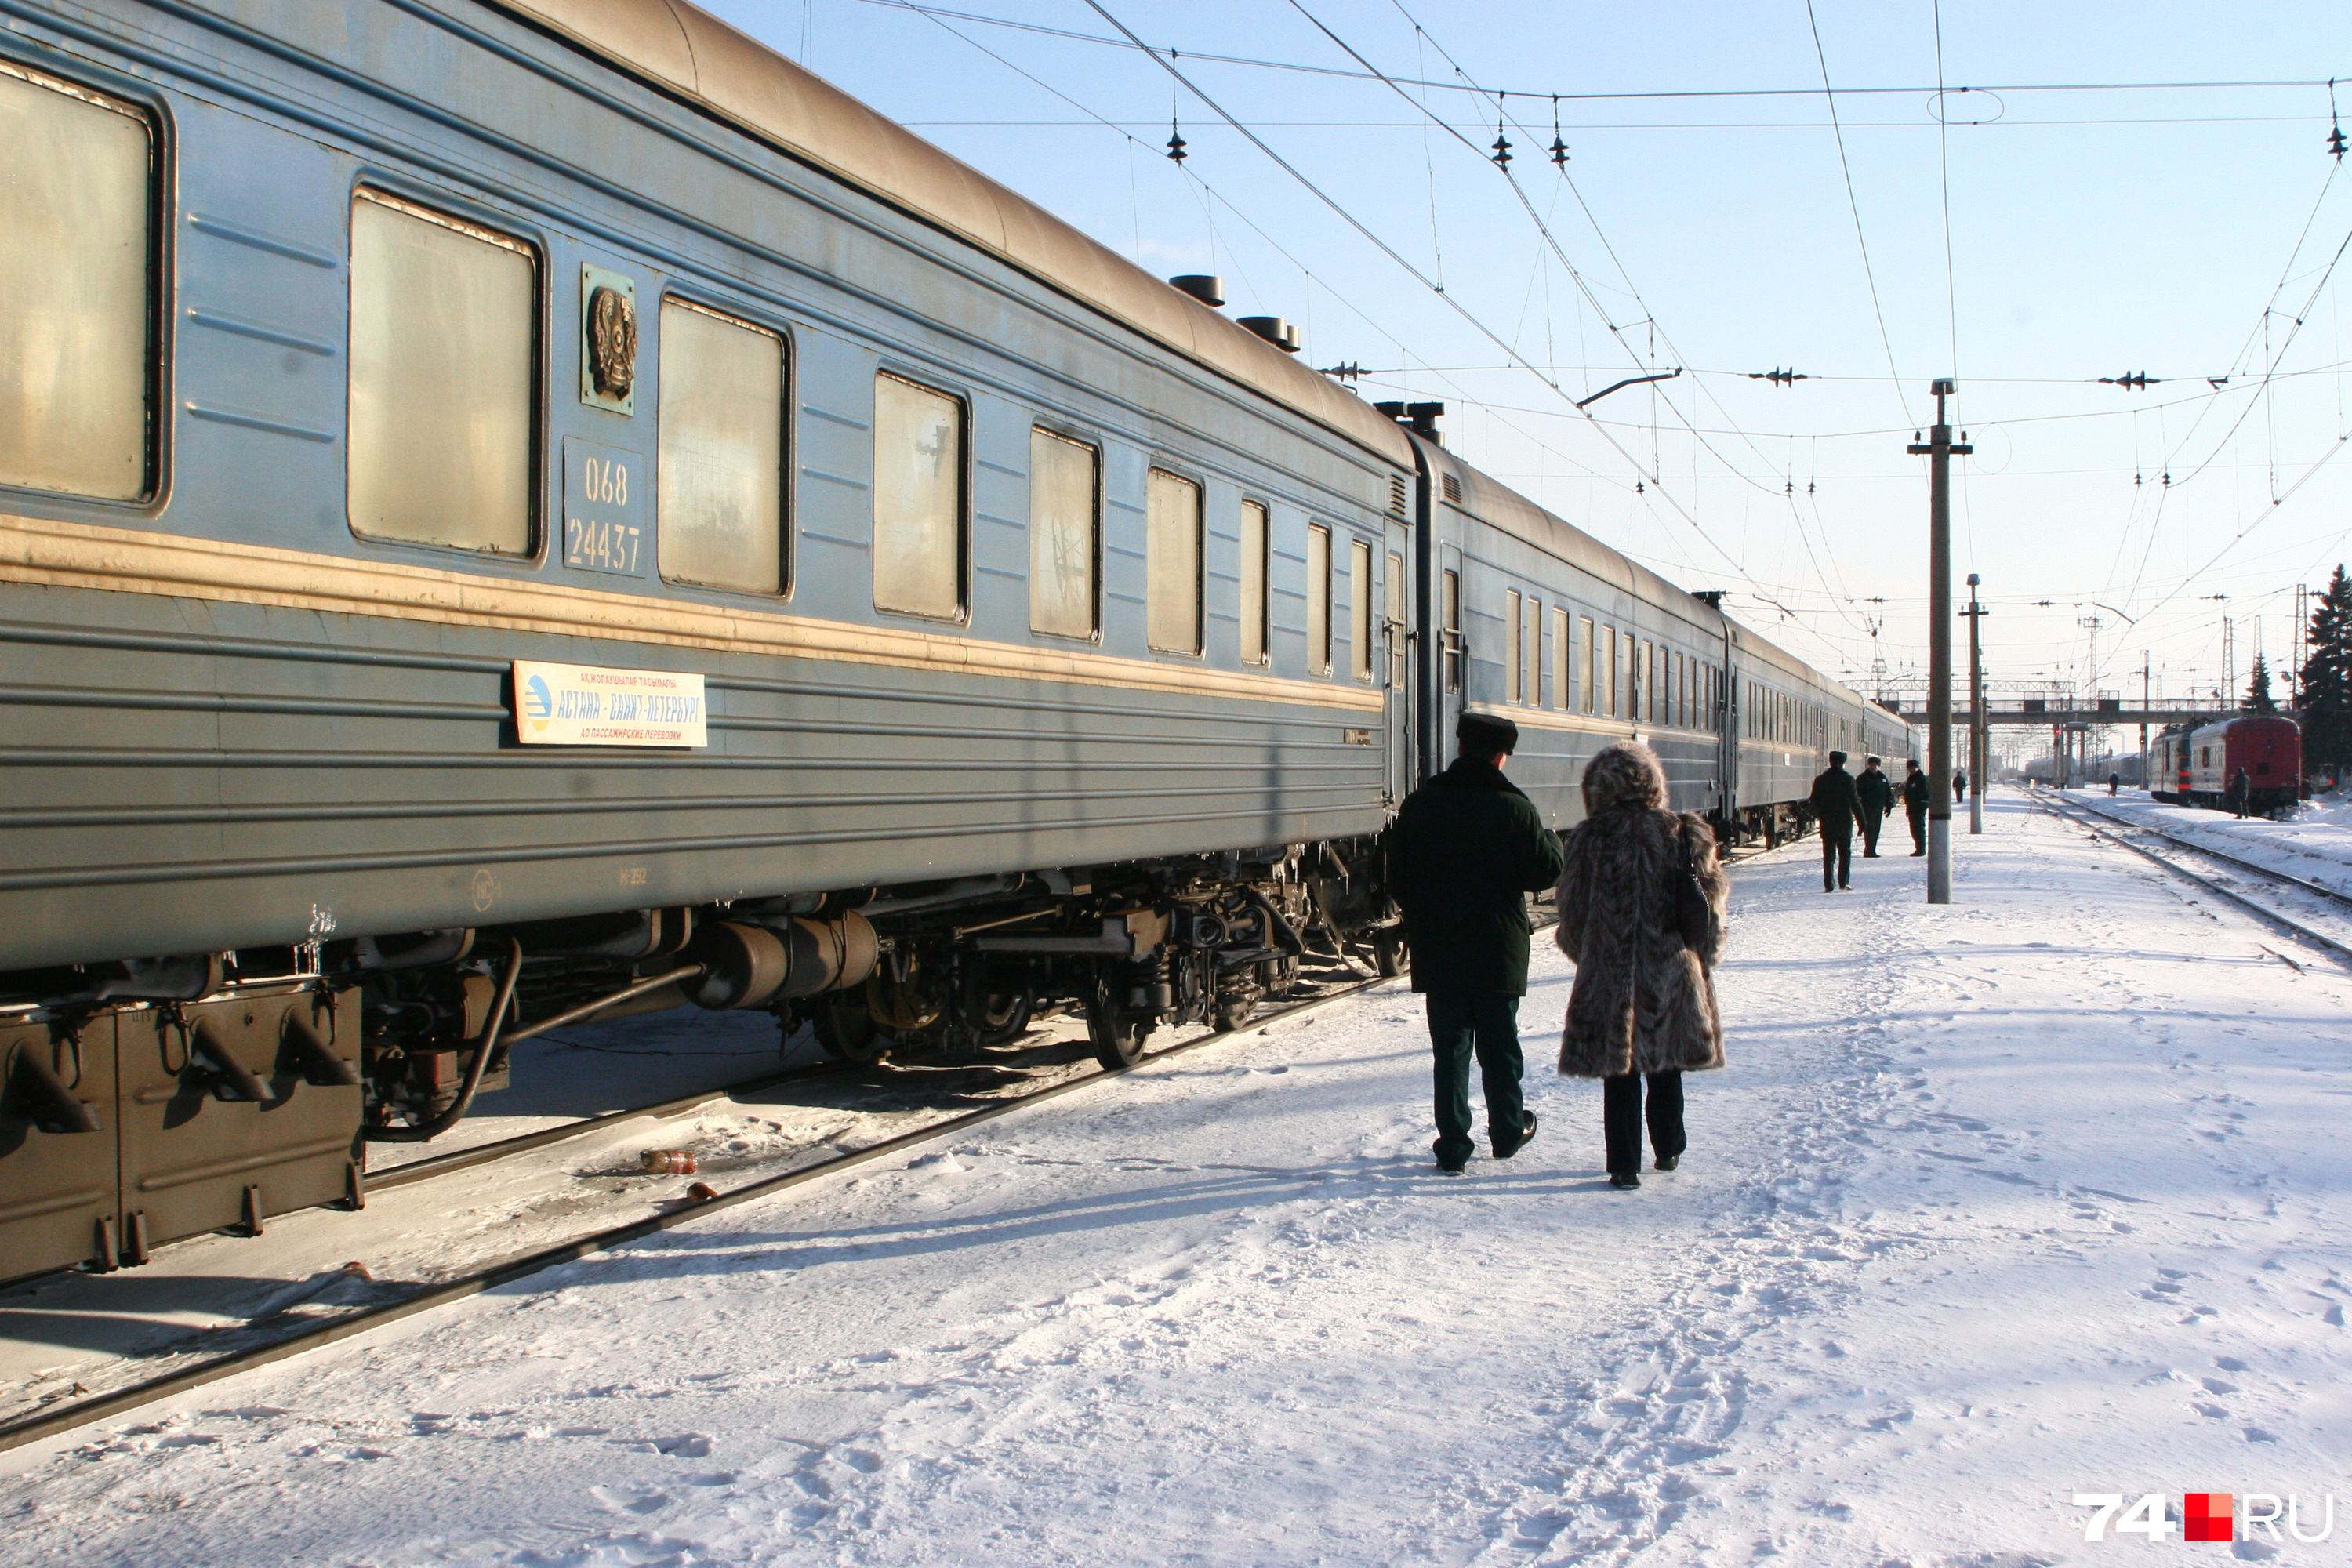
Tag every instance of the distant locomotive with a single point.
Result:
(551, 507)
(2195, 767)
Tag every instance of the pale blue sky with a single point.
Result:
(2094, 233)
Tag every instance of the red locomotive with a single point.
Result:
(2196, 767)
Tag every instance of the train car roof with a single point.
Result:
(692, 55)
(1496, 503)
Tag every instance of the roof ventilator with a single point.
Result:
(1274, 330)
(1206, 286)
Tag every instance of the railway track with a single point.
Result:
(63, 1415)
(2092, 818)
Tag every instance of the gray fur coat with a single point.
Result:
(1642, 1002)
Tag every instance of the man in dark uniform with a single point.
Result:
(1466, 850)
(1835, 806)
(1876, 793)
(1959, 786)
(1915, 806)
(2241, 793)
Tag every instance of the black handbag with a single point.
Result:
(1694, 916)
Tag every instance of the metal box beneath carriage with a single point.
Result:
(195, 1118)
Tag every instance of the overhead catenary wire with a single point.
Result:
(1129, 41)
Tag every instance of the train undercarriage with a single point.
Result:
(150, 1100)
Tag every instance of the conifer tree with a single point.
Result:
(2258, 697)
(2326, 711)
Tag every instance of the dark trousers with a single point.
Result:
(1918, 816)
(1870, 821)
(1462, 1023)
(1837, 851)
(1622, 1113)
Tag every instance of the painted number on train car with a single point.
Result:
(604, 514)
(583, 705)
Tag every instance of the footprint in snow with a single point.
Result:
(623, 1499)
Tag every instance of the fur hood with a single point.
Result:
(1625, 773)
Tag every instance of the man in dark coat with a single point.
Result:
(1876, 793)
(1915, 806)
(2242, 793)
(1836, 804)
(1959, 786)
(1466, 850)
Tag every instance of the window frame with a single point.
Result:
(1449, 636)
(962, 614)
(1264, 581)
(787, 512)
(532, 248)
(1514, 654)
(162, 285)
(1395, 626)
(1591, 663)
(1095, 568)
(1563, 659)
(1362, 588)
(1319, 596)
(1200, 559)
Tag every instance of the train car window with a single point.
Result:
(1591, 649)
(1172, 563)
(1318, 599)
(1561, 653)
(1359, 610)
(1396, 621)
(1065, 534)
(719, 501)
(1255, 544)
(919, 533)
(1511, 688)
(1609, 641)
(1531, 662)
(1450, 609)
(77, 212)
(444, 380)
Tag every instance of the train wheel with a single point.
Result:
(1117, 1035)
(845, 1031)
(1007, 1017)
(1389, 955)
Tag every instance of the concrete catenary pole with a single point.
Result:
(1979, 725)
(1938, 449)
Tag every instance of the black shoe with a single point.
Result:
(1827, 888)
(1454, 1170)
(1504, 1151)
(1845, 886)
(1916, 852)
(1870, 854)
(1623, 1181)
(1668, 1162)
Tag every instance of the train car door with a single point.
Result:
(1452, 656)
(1396, 675)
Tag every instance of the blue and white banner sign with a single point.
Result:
(583, 705)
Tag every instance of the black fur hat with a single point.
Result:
(1485, 734)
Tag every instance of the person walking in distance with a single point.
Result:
(1876, 793)
(1959, 786)
(1641, 901)
(1466, 850)
(1835, 806)
(2115, 782)
(1914, 806)
(2241, 793)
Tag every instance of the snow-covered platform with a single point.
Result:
(2037, 1194)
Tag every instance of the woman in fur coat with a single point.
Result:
(1644, 1003)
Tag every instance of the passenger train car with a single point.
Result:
(517, 509)
(2198, 764)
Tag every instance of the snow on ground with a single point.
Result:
(2041, 1193)
(2316, 843)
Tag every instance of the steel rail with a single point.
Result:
(2076, 812)
(2287, 877)
(65, 1417)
